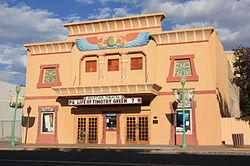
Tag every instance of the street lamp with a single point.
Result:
(184, 141)
(18, 89)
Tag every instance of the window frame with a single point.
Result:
(172, 78)
(41, 83)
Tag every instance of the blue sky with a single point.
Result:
(34, 21)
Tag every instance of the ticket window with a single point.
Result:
(179, 121)
(111, 123)
(47, 122)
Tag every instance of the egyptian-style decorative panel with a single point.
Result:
(182, 68)
(115, 41)
(50, 76)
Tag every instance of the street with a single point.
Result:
(97, 157)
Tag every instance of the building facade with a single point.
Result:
(117, 81)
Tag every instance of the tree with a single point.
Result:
(242, 77)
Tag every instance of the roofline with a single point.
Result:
(182, 30)
(119, 18)
(46, 43)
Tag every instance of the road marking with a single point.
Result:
(73, 162)
(77, 147)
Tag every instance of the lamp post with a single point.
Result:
(184, 141)
(18, 89)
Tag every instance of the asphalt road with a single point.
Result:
(98, 157)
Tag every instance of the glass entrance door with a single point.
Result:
(137, 130)
(87, 130)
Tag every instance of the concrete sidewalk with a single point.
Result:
(197, 149)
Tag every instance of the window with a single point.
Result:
(47, 121)
(182, 68)
(136, 63)
(49, 76)
(90, 66)
(113, 65)
(111, 121)
(179, 121)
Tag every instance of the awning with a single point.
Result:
(135, 89)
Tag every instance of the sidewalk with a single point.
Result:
(195, 149)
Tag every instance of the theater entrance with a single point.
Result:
(137, 131)
(87, 130)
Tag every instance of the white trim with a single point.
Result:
(168, 37)
(190, 121)
(60, 91)
(93, 90)
(147, 21)
(146, 87)
(100, 27)
(131, 24)
(60, 48)
(86, 28)
(177, 38)
(66, 46)
(185, 36)
(123, 25)
(139, 22)
(53, 48)
(84, 90)
(76, 91)
(40, 50)
(68, 90)
(155, 21)
(93, 28)
(115, 25)
(127, 88)
(78, 28)
(203, 34)
(108, 26)
(136, 87)
(110, 90)
(46, 48)
(101, 89)
(71, 29)
(194, 35)
(33, 50)
(159, 38)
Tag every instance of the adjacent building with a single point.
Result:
(117, 81)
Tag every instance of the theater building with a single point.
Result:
(117, 81)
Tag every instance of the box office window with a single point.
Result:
(111, 122)
(113, 65)
(47, 122)
(136, 63)
(91, 66)
(179, 121)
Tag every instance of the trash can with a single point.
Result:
(238, 140)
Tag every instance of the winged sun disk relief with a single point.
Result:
(111, 41)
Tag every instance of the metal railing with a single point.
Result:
(5, 131)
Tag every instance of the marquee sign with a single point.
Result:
(105, 100)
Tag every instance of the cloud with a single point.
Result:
(106, 1)
(229, 17)
(20, 25)
(103, 13)
(13, 63)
